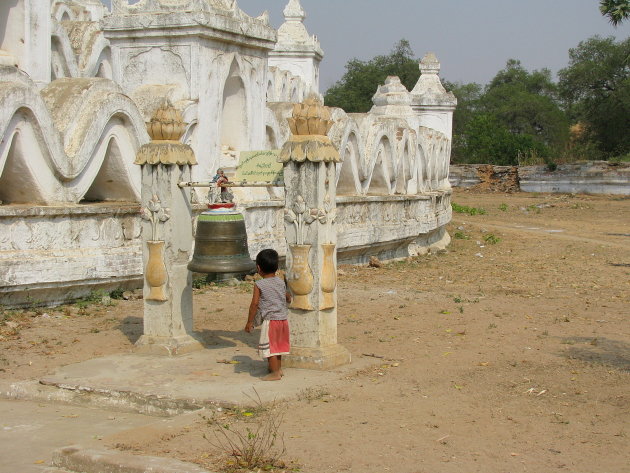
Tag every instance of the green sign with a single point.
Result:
(259, 166)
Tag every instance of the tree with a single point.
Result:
(596, 88)
(527, 103)
(468, 96)
(354, 91)
(517, 114)
(616, 10)
(487, 140)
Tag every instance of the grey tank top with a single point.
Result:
(273, 298)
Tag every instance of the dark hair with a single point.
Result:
(268, 261)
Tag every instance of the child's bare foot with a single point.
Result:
(275, 376)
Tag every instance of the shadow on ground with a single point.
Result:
(132, 328)
(603, 351)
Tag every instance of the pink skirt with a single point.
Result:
(274, 338)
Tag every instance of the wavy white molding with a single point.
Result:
(76, 139)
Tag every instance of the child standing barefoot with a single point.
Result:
(270, 300)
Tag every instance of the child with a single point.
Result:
(270, 300)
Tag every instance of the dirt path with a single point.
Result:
(509, 352)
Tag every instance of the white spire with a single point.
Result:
(294, 11)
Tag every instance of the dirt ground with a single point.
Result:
(508, 352)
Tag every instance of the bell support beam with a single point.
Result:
(231, 184)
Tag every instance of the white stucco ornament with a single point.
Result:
(392, 98)
(166, 129)
(429, 88)
(309, 126)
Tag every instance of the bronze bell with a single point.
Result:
(221, 244)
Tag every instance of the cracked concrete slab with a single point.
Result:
(77, 458)
(166, 386)
(30, 431)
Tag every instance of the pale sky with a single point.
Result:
(472, 39)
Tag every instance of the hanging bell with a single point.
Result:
(221, 244)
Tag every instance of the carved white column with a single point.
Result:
(309, 160)
(167, 238)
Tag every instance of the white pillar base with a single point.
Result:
(167, 346)
(323, 358)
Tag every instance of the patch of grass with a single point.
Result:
(313, 394)
(625, 158)
(93, 298)
(533, 208)
(250, 443)
(116, 294)
(200, 283)
(463, 209)
(503, 207)
(459, 235)
(491, 239)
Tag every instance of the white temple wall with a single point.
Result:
(55, 253)
(68, 146)
(25, 29)
(300, 67)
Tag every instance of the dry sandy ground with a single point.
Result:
(509, 352)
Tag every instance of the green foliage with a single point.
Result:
(615, 10)
(488, 140)
(468, 96)
(517, 114)
(522, 117)
(117, 294)
(458, 235)
(491, 239)
(93, 298)
(354, 91)
(596, 89)
(503, 207)
(463, 209)
(258, 444)
(621, 159)
(200, 282)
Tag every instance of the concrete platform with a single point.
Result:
(31, 431)
(167, 386)
(101, 396)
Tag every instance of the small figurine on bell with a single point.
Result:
(224, 195)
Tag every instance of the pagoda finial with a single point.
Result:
(294, 11)
(430, 64)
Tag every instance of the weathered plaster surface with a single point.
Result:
(73, 113)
